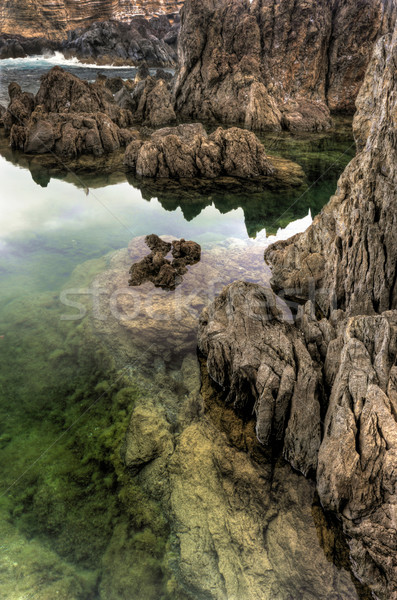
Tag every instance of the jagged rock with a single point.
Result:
(262, 362)
(152, 103)
(158, 269)
(62, 92)
(275, 64)
(72, 117)
(19, 109)
(16, 46)
(115, 84)
(3, 111)
(187, 151)
(358, 455)
(133, 42)
(349, 254)
(69, 135)
(344, 267)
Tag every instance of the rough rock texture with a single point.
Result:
(152, 41)
(158, 269)
(241, 527)
(187, 151)
(68, 117)
(31, 18)
(151, 102)
(344, 267)
(270, 64)
(349, 254)
(19, 109)
(274, 377)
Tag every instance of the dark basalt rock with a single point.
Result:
(16, 46)
(158, 269)
(116, 42)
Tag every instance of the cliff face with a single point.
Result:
(53, 18)
(269, 64)
(324, 390)
(349, 252)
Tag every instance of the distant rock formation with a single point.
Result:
(270, 64)
(54, 18)
(152, 41)
(325, 389)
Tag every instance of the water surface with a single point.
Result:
(201, 511)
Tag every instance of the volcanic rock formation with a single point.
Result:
(155, 267)
(186, 153)
(269, 64)
(68, 117)
(330, 382)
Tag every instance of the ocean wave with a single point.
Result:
(56, 58)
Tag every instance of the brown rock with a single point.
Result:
(156, 268)
(275, 64)
(187, 151)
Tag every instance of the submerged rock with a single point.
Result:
(158, 269)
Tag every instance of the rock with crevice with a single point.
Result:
(342, 271)
(261, 361)
(275, 64)
(187, 151)
(348, 255)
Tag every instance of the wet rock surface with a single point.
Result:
(236, 518)
(187, 152)
(68, 117)
(111, 42)
(164, 273)
(342, 273)
(269, 65)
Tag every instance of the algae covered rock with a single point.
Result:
(155, 267)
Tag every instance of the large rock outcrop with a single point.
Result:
(150, 40)
(342, 272)
(68, 117)
(269, 64)
(188, 154)
(349, 254)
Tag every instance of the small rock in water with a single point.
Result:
(155, 267)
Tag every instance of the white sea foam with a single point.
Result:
(51, 60)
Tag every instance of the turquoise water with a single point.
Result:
(192, 515)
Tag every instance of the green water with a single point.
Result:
(75, 522)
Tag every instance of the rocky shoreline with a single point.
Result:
(324, 389)
(152, 41)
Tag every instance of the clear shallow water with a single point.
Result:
(196, 515)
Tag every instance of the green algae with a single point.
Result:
(64, 414)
